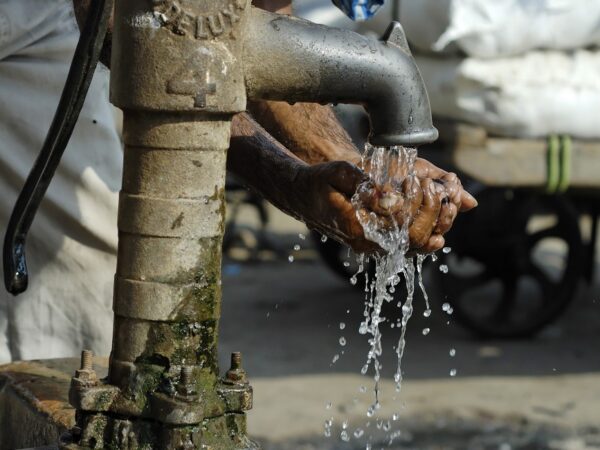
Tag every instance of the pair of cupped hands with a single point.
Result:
(430, 200)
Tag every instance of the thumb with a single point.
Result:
(344, 177)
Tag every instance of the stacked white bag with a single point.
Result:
(520, 68)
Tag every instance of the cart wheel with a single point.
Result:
(515, 264)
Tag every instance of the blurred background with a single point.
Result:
(509, 357)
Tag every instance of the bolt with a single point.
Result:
(236, 374)
(186, 375)
(236, 361)
(86, 360)
(86, 374)
(186, 382)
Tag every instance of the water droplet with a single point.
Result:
(342, 341)
(395, 416)
(358, 433)
(370, 411)
(362, 389)
(452, 372)
(434, 258)
(268, 315)
(387, 426)
(452, 352)
(446, 250)
(297, 247)
(426, 331)
(364, 369)
(344, 436)
(427, 313)
(291, 258)
(335, 358)
(342, 325)
(323, 238)
(353, 280)
(443, 268)
(446, 307)
(301, 236)
(328, 405)
(368, 446)
(346, 264)
(328, 424)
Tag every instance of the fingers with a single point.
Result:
(448, 213)
(426, 219)
(425, 169)
(461, 198)
(435, 243)
(468, 202)
(343, 176)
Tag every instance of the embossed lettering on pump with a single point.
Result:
(174, 15)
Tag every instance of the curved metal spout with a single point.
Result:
(291, 59)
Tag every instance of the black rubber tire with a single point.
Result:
(495, 237)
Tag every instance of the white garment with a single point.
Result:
(71, 250)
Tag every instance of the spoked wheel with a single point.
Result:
(515, 264)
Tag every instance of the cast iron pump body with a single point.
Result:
(180, 70)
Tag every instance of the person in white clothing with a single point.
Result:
(72, 243)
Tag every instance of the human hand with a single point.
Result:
(324, 193)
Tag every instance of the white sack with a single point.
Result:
(496, 28)
(534, 95)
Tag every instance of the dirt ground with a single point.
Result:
(541, 393)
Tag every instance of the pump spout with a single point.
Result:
(295, 60)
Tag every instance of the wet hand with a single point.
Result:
(432, 204)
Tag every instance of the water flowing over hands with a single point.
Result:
(403, 188)
(429, 198)
(400, 208)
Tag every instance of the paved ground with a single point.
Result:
(542, 393)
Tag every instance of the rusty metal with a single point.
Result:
(236, 374)
(87, 362)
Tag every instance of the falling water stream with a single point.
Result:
(383, 209)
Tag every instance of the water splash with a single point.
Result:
(382, 205)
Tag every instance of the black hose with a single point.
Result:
(76, 87)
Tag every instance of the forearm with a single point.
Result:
(311, 131)
(262, 163)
